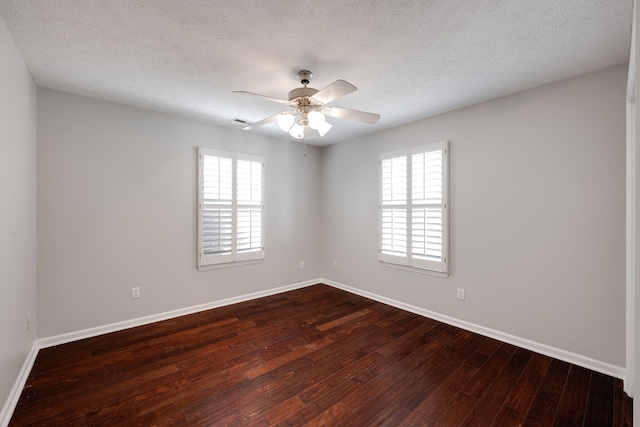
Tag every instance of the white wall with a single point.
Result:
(117, 209)
(17, 211)
(537, 215)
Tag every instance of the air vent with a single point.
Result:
(241, 121)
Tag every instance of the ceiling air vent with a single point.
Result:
(241, 121)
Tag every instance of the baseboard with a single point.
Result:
(567, 356)
(18, 386)
(119, 326)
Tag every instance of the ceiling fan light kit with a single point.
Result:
(308, 115)
(285, 121)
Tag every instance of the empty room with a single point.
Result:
(324, 213)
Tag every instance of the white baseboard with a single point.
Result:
(557, 353)
(119, 326)
(18, 386)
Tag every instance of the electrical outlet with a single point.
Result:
(28, 321)
(461, 294)
(135, 293)
(301, 264)
(335, 265)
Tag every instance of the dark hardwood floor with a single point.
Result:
(313, 356)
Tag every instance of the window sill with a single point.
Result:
(415, 270)
(229, 264)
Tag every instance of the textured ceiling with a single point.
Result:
(410, 59)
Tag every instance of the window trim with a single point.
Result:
(439, 269)
(236, 258)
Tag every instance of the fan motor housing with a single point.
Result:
(302, 92)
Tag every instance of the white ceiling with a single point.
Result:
(410, 59)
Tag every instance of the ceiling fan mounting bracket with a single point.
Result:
(305, 76)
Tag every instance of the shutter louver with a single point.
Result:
(217, 179)
(394, 180)
(394, 231)
(249, 182)
(426, 178)
(249, 230)
(217, 231)
(426, 234)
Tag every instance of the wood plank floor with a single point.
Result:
(315, 356)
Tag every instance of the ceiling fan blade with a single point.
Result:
(268, 98)
(334, 91)
(358, 116)
(262, 122)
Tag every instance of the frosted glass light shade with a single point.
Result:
(316, 119)
(285, 121)
(324, 128)
(297, 131)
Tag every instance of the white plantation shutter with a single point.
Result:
(217, 216)
(413, 207)
(229, 207)
(393, 184)
(249, 213)
(427, 193)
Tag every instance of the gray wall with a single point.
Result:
(117, 209)
(17, 211)
(537, 215)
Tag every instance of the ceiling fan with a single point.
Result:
(306, 119)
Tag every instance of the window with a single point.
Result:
(230, 208)
(414, 208)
